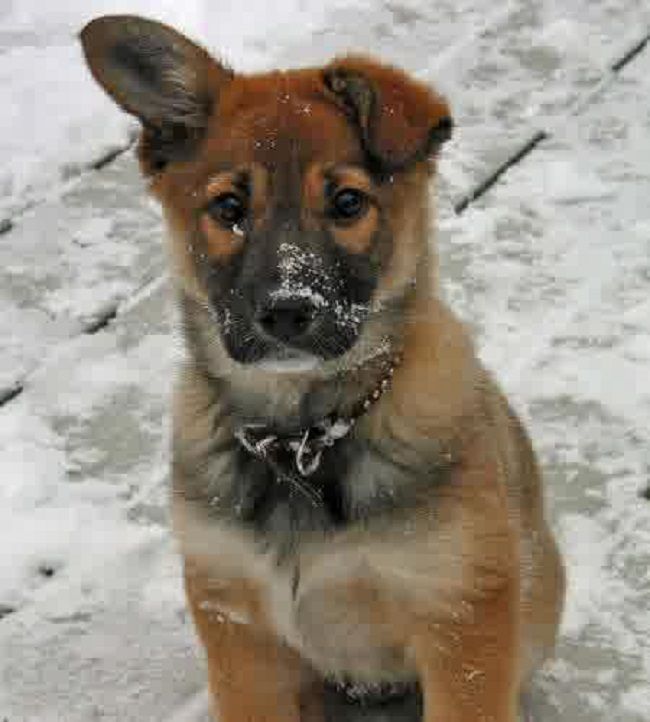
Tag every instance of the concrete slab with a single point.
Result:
(88, 248)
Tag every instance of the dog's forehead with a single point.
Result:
(273, 118)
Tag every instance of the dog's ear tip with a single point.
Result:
(95, 30)
(106, 26)
(443, 130)
(89, 30)
(98, 23)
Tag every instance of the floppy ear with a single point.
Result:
(160, 76)
(400, 120)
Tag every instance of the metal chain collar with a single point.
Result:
(299, 455)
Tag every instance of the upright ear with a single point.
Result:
(400, 120)
(153, 72)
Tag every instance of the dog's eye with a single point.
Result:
(228, 209)
(348, 204)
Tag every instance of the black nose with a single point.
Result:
(287, 318)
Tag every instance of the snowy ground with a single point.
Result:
(551, 267)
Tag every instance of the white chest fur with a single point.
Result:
(300, 596)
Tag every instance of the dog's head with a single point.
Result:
(296, 200)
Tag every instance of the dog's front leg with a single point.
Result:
(253, 676)
(468, 668)
(468, 659)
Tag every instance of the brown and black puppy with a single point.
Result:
(355, 501)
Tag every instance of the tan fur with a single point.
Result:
(461, 587)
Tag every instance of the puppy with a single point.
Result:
(357, 506)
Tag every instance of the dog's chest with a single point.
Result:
(291, 596)
(290, 545)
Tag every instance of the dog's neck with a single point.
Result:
(296, 454)
(291, 403)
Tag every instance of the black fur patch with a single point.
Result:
(278, 507)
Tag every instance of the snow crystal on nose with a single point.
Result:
(303, 275)
(299, 269)
(291, 291)
(293, 260)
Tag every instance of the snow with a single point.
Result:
(550, 267)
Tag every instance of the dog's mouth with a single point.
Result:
(289, 362)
